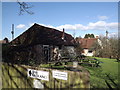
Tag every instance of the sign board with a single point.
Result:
(43, 75)
(60, 75)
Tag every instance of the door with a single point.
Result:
(46, 51)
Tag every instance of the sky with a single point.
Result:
(77, 18)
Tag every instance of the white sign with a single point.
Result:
(43, 75)
(60, 75)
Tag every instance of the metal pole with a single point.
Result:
(12, 31)
(106, 43)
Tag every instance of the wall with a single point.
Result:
(15, 76)
(30, 55)
(86, 53)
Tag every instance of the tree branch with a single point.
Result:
(24, 7)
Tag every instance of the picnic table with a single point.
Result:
(93, 62)
(61, 61)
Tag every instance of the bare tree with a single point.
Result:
(113, 47)
(78, 49)
(24, 7)
(109, 47)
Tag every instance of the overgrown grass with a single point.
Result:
(107, 71)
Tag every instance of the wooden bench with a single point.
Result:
(90, 61)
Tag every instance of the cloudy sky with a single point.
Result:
(77, 18)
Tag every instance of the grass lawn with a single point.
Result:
(107, 72)
(109, 65)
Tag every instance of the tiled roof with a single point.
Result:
(38, 34)
(86, 42)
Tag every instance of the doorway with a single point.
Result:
(46, 52)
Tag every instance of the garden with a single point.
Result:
(103, 71)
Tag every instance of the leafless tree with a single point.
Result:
(24, 7)
(108, 49)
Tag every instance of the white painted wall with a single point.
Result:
(86, 53)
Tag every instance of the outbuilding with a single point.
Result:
(41, 44)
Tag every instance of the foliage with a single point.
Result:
(5, 51)
(65, 52)
(32, 62)
(89, 36)
(78, 49)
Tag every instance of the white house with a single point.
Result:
(86, 44)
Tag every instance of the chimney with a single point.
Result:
(63, 35)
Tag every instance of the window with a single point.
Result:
(90, 51)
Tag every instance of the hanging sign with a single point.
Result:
(60, 75)
(43, 75)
